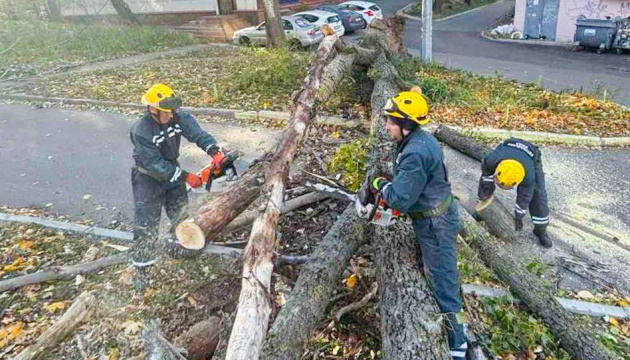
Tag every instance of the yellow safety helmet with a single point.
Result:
(409, 105)
(162, 98)
(509, 173)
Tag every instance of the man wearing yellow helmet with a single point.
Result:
(157, 178)
(517, 163)
(421, 189)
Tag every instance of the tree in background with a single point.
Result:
(125, 12)
(273, 23)
(54, 12)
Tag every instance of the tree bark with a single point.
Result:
(411, 324)
(54, 12)
(497, 218)
(125, 12)
(80, 311)
(201, 340)
(211, 218)
(273, 23)
(461, 142)
(534, 294)
(255, 302)
(313, 290)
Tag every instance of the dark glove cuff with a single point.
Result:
(213, 150)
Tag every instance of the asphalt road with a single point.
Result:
(56, 157)
(457, 43)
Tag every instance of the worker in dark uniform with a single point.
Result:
(157, 178)
(518, 163)
(421, 189)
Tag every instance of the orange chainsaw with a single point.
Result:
(368, 205)
(222, 165)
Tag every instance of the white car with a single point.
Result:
(298, 32)
(319, 18)
(368, 10)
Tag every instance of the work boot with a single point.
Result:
(176, 251)
(543, 237)
(142, 278)
(460, 353)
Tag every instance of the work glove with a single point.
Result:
(518, 223)
(193, 180)
(218, 159)
(377, 183)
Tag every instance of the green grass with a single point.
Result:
(446, 8)
(237, 78)
(30, 47)
(466, 99)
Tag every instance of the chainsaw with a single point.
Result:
(214, 171)
(368, 205)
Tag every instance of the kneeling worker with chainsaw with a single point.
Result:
(421, 190)
(157, 178)
(518, 163)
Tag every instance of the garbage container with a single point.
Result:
(595, 33)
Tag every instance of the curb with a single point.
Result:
(255, 115)
(402, 13)
(566, 139)
(528, 42)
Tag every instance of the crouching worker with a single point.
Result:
(517, 163)
(157, 178)
(420, 188)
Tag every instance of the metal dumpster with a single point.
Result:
(595, 33)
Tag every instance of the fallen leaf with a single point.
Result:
(117, 247)
(25, 245)
(335, 349)
(623, 303)
(586, 295)
(10, 332)
(191, 300)
(131, 327)
(351, 281)
(612, 321)
(55, 306)
(114, 354)
(87, 197)
(91, 253)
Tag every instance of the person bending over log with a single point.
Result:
(420, 189)
(518, 163)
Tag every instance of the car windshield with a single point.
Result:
(302, 23)
(333, 19)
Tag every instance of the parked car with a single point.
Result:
(298, 31)
(368, 10)
(351, 20)
(319, 18)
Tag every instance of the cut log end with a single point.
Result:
(482, 205)
(190, 236)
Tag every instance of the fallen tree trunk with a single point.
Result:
(499, 219)
(461, 142)
(80, 311)
(210, 219)
(201, 340)
(535, 294)
(62, 272)
(410, 319)
(313, 290)
(255, 301)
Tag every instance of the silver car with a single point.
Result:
(299, 33)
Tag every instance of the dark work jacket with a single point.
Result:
(522, 151)
(156, 146)
(421, 181)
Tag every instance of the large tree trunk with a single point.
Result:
(211, 218)
(411, 324)
(273, 26)
(534, 294)
(461, 142)
(313, 290)
(255, 302)
(80, 311)
(54, 12)
(125, 12)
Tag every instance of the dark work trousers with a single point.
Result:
(149, 197)
(539, 206)
(437, 238)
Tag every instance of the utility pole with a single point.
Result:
(427, 30)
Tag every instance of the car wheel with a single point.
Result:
(244, 41)
(295, 44)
